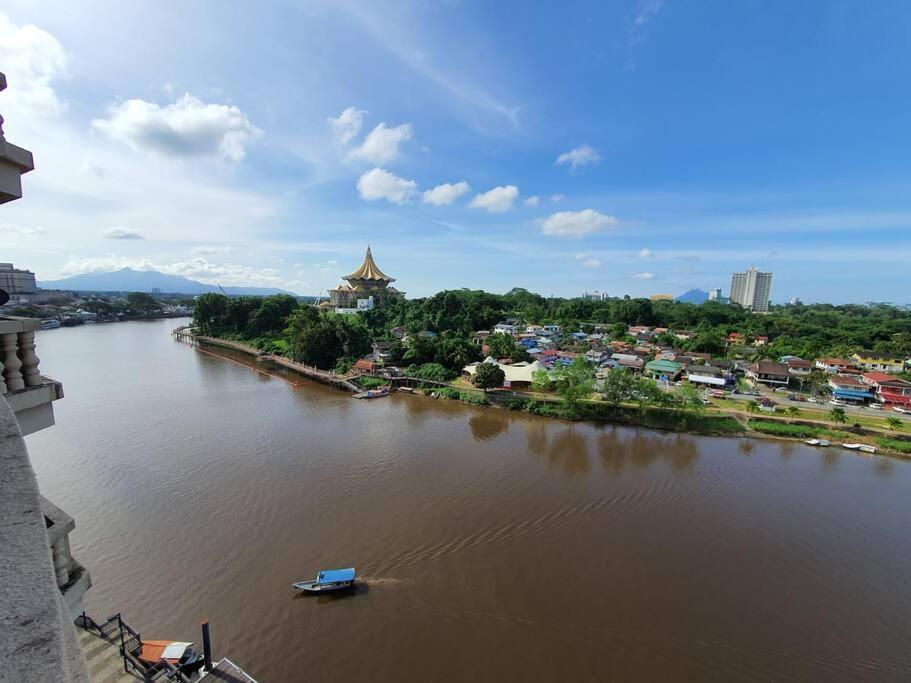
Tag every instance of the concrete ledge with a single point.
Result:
(38, 641)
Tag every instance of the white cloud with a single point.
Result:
(648, 9)
(497, 200)
(556, 198)
(347, 125)
(89, 165)
(576, 223)
(446, 193)
(580, 156)
(534, 200)
(122, 234)
(186, 128)
(31, 59)
(379, 184)
(645, 253)
(644, 276)
(382, 144)
(591, 263)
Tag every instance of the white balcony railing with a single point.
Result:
(28, 393)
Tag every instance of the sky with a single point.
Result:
(628, 146)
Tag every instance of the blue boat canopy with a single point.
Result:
(334, 575)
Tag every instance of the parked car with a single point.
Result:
(903, 411)
(812, 399)
(876, 406)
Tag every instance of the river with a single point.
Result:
(492, 546)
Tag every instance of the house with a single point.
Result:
(364, 366)
(888, 389)
(397, 332)
(881, 362)
(594, 356)
(761, 340)
(664, 369)
(834, 365)
(639, 329)
(537, 329)
(851, 389)
(382, 351)
(553, 329)
(516, 375)
(798, 367)
(722, 363)
(659, 330)
(632, 363)
(684, 334)
(545, 343)
(708, 375)
(734, 338)
(769, 372)
(479, 336)
(506, 328)
(579, 336)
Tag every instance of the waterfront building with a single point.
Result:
(850, 389)
(43, 586)
(888, 389)
(365, 288)
(751, 289)
(595, 296)
(16, 280)
(880, 362)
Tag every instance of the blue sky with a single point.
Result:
(635, 146)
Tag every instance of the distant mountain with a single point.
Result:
(694, 296)
(129, 280)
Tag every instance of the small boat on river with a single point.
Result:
(373, 393)
(867, 449)
(50, 324)
(851, 446)
(822, 443)
(327, 581)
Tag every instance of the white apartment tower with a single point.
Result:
(751, 289)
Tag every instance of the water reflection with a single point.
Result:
(488, 424)
(746, 447)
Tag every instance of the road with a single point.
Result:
(782, 399)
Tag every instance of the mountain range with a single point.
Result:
(129, 280)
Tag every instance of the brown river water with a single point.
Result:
(491, 546)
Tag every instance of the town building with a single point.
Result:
(365, 288)
(595, 296)
(880, 362)
(664, 369)
(850, 389)
(888, 389)
(516, 375)
(715, 294)
(662, 297)
(769, 372)
(17, 281)
(834, 365)
(751, 289)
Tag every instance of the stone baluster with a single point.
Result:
(61, 553)
(11, 362)
(30, 374)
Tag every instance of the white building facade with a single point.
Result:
(751, 289)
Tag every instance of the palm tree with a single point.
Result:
(893, 423)
(837, 415)
(793, 411)
(752, 407)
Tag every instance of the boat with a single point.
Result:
(181, 655)
(867, 449)
(327, 581)
(822, 443)
(372, 393)
(851, 446)
(50, 324)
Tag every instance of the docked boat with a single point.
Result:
(867, 449)
(50, 324)
(851, 446)
(327, 581)
(822, 443)
(373, 393)
(181, 655)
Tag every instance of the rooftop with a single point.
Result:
(369, 271)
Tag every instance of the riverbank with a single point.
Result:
(717, 422)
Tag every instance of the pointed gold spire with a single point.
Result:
(369, 271)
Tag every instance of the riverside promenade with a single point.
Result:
(263, 360)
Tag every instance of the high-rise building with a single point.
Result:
(595, 296)
(662, 297)
(16, 281)
(751, 289)
(715, 294)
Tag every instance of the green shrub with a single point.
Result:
(897, 445)
(371, 382)
(515, 403)
(785, 429)
(448, 392)
(472, 399)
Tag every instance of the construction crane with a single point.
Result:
(221, 289)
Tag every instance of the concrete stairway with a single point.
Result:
(103, 659)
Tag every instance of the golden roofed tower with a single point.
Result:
(367, 281)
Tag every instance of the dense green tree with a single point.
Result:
(574, 382)
(618, 386)
(837, 415)
(501, 345)
(488, 376)
(140, 301)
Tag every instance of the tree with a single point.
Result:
(893, 423)
(488, 376)
(687, 399)
(140, 301)
(793, 411)
(541, 381)
(838, 416)
(574, 382)
(618, 386)
(752, 407)
(501, 345)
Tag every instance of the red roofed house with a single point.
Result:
(364, 366)
(889, 388)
